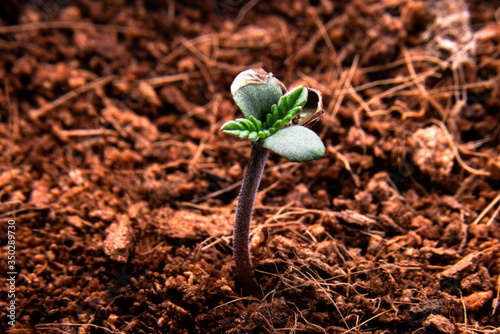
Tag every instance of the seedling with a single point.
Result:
(274, 120)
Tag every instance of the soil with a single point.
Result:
(121, 188)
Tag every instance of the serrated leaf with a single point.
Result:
(288, 106)
(243, 124)
(295, 143)
(248, 125)
(256, 123)
(253, 136)
(236, 133)
(232, 125)
(245, 128)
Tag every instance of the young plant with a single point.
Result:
(274, 120)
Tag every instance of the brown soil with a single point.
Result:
(123, 188)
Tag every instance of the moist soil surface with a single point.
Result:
(121, 189)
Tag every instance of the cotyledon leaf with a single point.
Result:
(295, 143)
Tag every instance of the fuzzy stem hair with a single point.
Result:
(243, 219)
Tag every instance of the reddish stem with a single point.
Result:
(243, 219)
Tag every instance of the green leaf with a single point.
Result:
(295, 143)
(268, 114)
(289, 105)
(243, 128)
(255, 92)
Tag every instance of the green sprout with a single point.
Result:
(275, 120)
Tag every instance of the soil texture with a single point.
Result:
(121, 188)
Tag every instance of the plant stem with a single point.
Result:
(243, 219)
